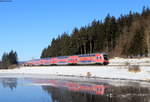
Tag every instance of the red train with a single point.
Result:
(75, 86)
(97, 58)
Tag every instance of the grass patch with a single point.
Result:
(88, 74)
(127, 64)
(134, 68)
(13, 66)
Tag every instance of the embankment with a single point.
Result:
(110, 71)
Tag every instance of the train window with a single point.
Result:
(62, 62)
(62, 57)
(73, 59)
(87, 55)
(54, 60)
(98, 57)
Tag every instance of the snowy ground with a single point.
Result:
(118, 69)
(133, 61)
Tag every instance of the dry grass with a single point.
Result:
(127, 64)
(88, 74)
(13, 66)
(147, 61)
(134, 68)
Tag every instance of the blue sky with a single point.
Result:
(27, 26)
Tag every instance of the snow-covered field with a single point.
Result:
(118, 68)
(133, 61)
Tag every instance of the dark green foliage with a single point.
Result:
(0, 64)
(137, 46)
(9, 59)
(124, 36)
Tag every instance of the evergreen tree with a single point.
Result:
(9, 59)
(127, 35)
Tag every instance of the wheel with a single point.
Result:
(105, 63)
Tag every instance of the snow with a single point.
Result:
(96, 71)
(132, 61)
(116, 69)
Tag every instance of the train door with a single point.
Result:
(73, 60)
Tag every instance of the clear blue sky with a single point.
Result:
(27, 26)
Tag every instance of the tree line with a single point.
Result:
(126, 36)
(9, 60)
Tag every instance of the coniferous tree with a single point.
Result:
(9, 59)
(127, 35)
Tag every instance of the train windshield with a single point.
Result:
(105, 57)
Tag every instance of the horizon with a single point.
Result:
(28, 26)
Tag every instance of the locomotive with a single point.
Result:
(96, 58)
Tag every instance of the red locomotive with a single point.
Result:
(75, 86)
(97, 58)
